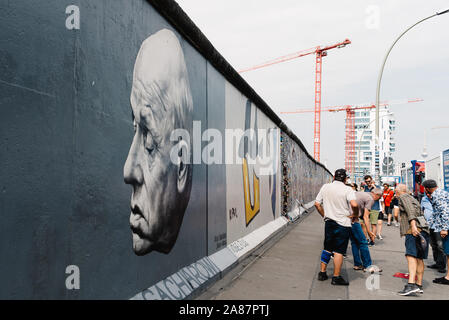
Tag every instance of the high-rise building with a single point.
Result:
(366, 159)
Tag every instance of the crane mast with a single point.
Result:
(320, 52)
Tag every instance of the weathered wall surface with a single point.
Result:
(87, 176)
(302, 178)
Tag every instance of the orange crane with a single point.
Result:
(350, 125)
(320, 52)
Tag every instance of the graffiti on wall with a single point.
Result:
(252, 183)
(301, 177)
(273, 144)
(250, 150)
(182, 209)
(267, 159)
(161, 102)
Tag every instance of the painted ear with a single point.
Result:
(182, 165)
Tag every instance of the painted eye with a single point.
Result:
(148, 141)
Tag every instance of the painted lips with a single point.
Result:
(134, 220)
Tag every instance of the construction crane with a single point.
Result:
(350, 124)
(320, 52)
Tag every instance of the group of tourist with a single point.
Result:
(357, 216)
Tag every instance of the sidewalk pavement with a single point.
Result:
(289, 268)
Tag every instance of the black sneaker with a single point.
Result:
(409, 289)
(339, 281)
(442, 270)
(371, 243)
(434, 266)
(421, 291)
(322, 276)
(441, 280)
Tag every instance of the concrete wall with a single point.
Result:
(87, 176)
(301, 178)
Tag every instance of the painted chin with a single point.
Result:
(146, 236)
(141, 246)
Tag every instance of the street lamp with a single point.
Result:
(382, 70)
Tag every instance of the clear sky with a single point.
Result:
(247, 32)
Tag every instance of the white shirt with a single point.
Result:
(335, 198)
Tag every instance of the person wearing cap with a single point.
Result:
(414, 228)
(439, 221)
(333, 203)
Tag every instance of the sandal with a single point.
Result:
(358, 268)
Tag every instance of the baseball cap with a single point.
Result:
(340, 173)
(429, 184)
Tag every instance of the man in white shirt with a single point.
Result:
(333, 202)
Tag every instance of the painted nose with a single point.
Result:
(132, 171)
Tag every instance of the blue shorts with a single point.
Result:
(413, 248)
(336, 237)
(446, 245)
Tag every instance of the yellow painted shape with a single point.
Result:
(251, 210)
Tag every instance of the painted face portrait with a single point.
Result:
(161, 102)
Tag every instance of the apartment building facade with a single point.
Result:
(367, 160)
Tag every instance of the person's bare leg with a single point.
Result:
(374, 228)
(323, 267)
(411, 261)
(379, 227)
(447, 275)
(338, 262)
(396, 214)
(419, 271)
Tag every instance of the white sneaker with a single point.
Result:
(372, 269)
(379, 237)
(396, 224)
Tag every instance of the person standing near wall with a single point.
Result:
(359, 243)
(394, 207)
(440, 218)
(436, 242)
(416, 232)
(388, 195)
(333, 202)
(374, 212)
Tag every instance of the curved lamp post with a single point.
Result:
(382, 70)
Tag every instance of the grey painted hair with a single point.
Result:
(377, 191)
